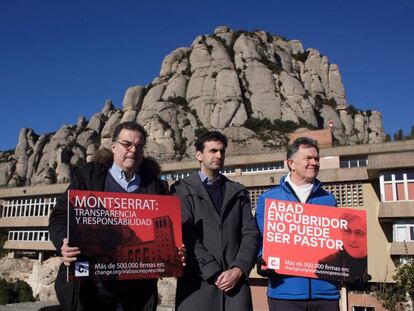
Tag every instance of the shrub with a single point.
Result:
(351, 110)
(264, 126)
(3, 239)
(229, 48)
(320, 101)
(181, 148)
(15, 292)
(302, 57)
(200, 131)
(331, 102)
(274, 67)
(269, 37)
(285, 126)
(303, 123)
(6, 292)
(179, 100)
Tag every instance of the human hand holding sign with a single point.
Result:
(68, 253)
(182, 254)
(266, 272)
(228, 279)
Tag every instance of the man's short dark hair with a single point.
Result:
(130, 125)
(209, 136)
(306, 142)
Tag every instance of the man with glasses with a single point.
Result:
(125, 169)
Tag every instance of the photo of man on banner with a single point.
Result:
(354, 252)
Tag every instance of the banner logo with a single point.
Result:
(274, 263)
(82, 268)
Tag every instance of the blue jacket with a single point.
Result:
(292, 287)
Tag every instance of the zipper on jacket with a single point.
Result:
(307, 200)
(293, 192)
(310, 280)
(310, 288)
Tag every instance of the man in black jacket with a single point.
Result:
(123, 170)
(219, 232)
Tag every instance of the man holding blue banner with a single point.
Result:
(292, 293)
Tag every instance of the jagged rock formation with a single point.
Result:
(253, 86)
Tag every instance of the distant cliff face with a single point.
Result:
(253, 86)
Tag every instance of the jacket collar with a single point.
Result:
(194, 183)
(148, 170)
(316, 185)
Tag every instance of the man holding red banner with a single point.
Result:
(291, 293)
(123, 170)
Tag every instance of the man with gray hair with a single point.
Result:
(291, 293)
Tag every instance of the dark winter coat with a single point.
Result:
(81, 295)
(215, 242)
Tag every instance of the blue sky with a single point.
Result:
(62, 59)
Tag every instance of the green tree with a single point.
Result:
(412, 132)
(400, 135)
(390, 297)
(15, 292)
(395, 296)
(387, 137)
(6, 292)
(405, 278)
(3, 239)
(23, 291)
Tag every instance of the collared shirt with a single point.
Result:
(120, 178)
(205, 180)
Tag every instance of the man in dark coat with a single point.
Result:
(219, 232)
(123, 170)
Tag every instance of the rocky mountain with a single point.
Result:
(254, 86)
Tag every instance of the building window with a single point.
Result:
(347, 194)
(174, 176)
(29, 207)
(29, 235)
(397, 185)
(254, 193)
(403, 230)
(353, 161)
(358, 308)
(228, 171)
(263, 167)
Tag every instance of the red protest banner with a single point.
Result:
(124, 236)
(315, 241)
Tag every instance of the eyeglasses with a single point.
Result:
(357, 233)
(128, 145)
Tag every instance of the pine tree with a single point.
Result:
(400, 134)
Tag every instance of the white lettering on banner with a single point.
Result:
(115, 203)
